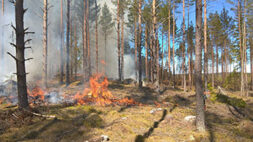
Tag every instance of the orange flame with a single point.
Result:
(99, 94)
(37, 94)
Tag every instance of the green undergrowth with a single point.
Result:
(218, 97)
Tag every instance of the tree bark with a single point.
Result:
(84, 41)
(118, 34)
(67, 41)
(45, 43)
(2, 48)
(169, 14)
(251, 59)
(241, 48)
(174, 26)
(96, 33)
(139, 44)
(205, 46)
(122, 47)
(62, 46)
(146, 54)
(245, 48)
(183, 65)
(200, 120)
(212, 66)
(20, 55)
(75, 52)
(88, 37)
(135, 46)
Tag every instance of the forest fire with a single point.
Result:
(36, 95)
(99, 94)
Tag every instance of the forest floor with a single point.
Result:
(160, 118)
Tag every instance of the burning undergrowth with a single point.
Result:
(96, 93)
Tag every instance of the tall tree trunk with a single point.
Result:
(139, 44)
(212, 50)
(155, 49)
(45, 43)
(62, 46)
(173, 50)
(122, 47)
(67, 41)
(251, 59)
(71, 46)
(146, 54)
(245, 47)
(241, 48)
(205, 46)
(135, 46)
(162, 60)
(200, 120)
(96, 33)
(84, 40)
(169, 14)
(217, 62)
(183, 65)
(190, 50)
(118, 34)
(75, 52)
(20, 54)
(88, 37)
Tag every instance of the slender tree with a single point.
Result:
(200, 120)
(118, 36)
(139, 44)
(45, 42)
(173, 50)
(205, 45)
(183, 65)
(62, 46)
(96, 33)
(84, 40)
(67, 43)
(169, 17)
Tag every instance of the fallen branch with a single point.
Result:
(41, 115)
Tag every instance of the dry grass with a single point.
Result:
(135, 123)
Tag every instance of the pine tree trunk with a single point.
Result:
(88, 37)
(162, 60)
(146, 54)
(45, 43)
(200, 120)
(212, 50)
(68, 45)
(75, 52)
(174, 64)
(96, 33)
(122, 47)
(20, 55)
(135, 46)
(169, 14)
(184, 56)
(62, 46)
(71, 47)
(241, 48)
(84, 40)
(205, 46)
(155, 47)
(251, 59)
(118, 34)
(105, 54)
(139, 44)
(217, 62)
(190, 50)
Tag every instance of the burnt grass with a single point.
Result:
(130, 123)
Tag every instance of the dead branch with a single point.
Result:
(41, 115)
(14, 45)
(28, 59)
(12, 56)
(13, 27)
(28, 40)
(29, 32)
